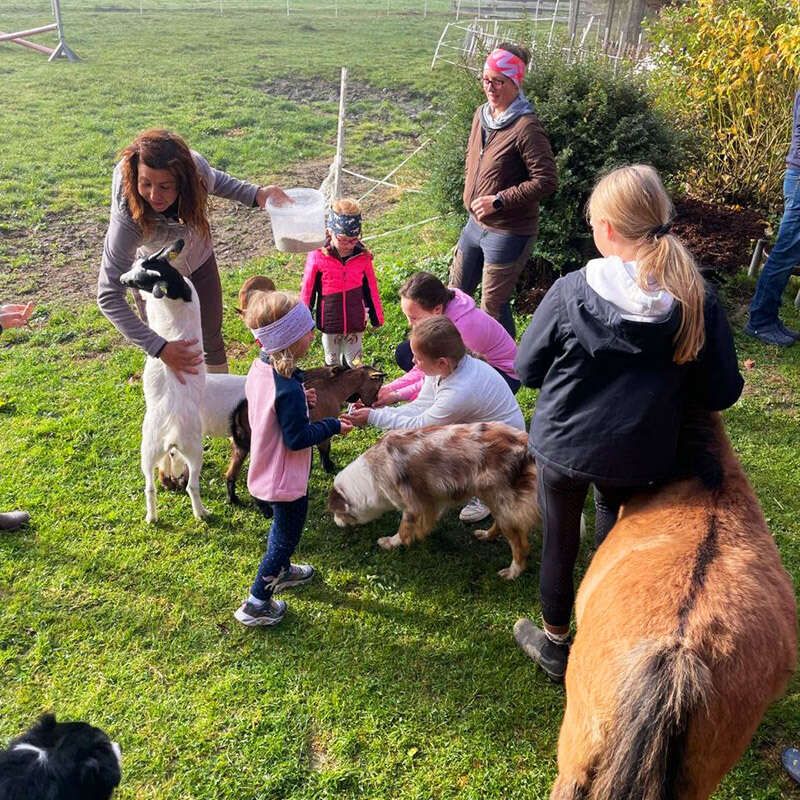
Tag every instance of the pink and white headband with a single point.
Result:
(285, 331)
(507, 64)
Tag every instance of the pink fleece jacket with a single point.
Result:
(483, 335)
(276, 473)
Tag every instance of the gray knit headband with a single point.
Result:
(285, 331)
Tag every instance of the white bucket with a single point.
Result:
(298, 227)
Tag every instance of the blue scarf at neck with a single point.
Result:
(518, 108)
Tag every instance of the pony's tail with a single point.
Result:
(666, 685)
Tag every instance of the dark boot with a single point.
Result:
(551, 657)
(13, 520)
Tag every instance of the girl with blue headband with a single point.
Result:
(339, 286)
(280, 445)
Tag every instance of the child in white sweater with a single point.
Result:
(457, 388)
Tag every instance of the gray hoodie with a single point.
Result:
(125, 242)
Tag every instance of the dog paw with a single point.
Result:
(510, 573)
(389, 542)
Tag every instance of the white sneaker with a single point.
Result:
(474, 511)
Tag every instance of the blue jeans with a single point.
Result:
(495, 260)
(284, 536)
(784, 256)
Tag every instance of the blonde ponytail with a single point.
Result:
(633, 200)
(664, 261)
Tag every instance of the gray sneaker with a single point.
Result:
(271, 613)
(296, 575)
(772, 334)
(551, 657)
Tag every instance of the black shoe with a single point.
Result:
(789, 331)
(551, 657)
(14, 520)
(772, 334)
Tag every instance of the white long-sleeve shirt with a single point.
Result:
(473, 392)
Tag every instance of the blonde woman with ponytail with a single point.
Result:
(618, 349)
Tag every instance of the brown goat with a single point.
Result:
(687, 631)
(334, 387)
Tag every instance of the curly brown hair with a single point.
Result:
(162, 149)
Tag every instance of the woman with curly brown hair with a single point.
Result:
(159, 193)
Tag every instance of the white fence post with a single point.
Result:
(339, 160)
(63, 48)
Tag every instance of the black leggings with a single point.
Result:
(561, 500)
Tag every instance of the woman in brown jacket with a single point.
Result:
(509, 169)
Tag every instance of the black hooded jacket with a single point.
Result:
(612, 399)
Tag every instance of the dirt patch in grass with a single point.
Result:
(362, 98)
(60, 257)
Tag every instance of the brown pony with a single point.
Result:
(687, 631)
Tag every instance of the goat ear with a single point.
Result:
(376, 373)
(169, 252)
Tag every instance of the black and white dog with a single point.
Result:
(60, 761)
(172, 417)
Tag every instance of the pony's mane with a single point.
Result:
(700, 448)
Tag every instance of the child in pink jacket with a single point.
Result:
(422, 296)
(339, 286)
(280, 445)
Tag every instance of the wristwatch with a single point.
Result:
(497, 203)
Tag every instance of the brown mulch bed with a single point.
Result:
(720, 237)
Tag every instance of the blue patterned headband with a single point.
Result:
(344, 224)
(285, 331)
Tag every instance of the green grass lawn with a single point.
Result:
(394, 675)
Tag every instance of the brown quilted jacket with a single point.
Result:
(516, 162)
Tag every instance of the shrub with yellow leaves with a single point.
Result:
(728, 71)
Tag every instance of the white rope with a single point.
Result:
(406, 227)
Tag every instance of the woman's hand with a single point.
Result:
(182, 356)
(386, 397)
(273, 193)
(358, 416)
(483, 206)
(15, 315)
(311, 397)
(346, 426)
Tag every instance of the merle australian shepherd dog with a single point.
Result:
(424, 471)
(60, 761)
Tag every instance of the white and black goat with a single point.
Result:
(172, 414)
